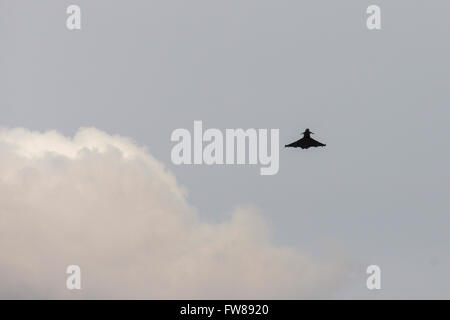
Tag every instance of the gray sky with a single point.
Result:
(379, 191)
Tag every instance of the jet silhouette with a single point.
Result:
(305, 142)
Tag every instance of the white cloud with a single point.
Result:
(106, 204)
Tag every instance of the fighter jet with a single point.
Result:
(305, 142)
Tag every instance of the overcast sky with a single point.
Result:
(378, 193)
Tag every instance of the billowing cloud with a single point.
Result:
(104, 203)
